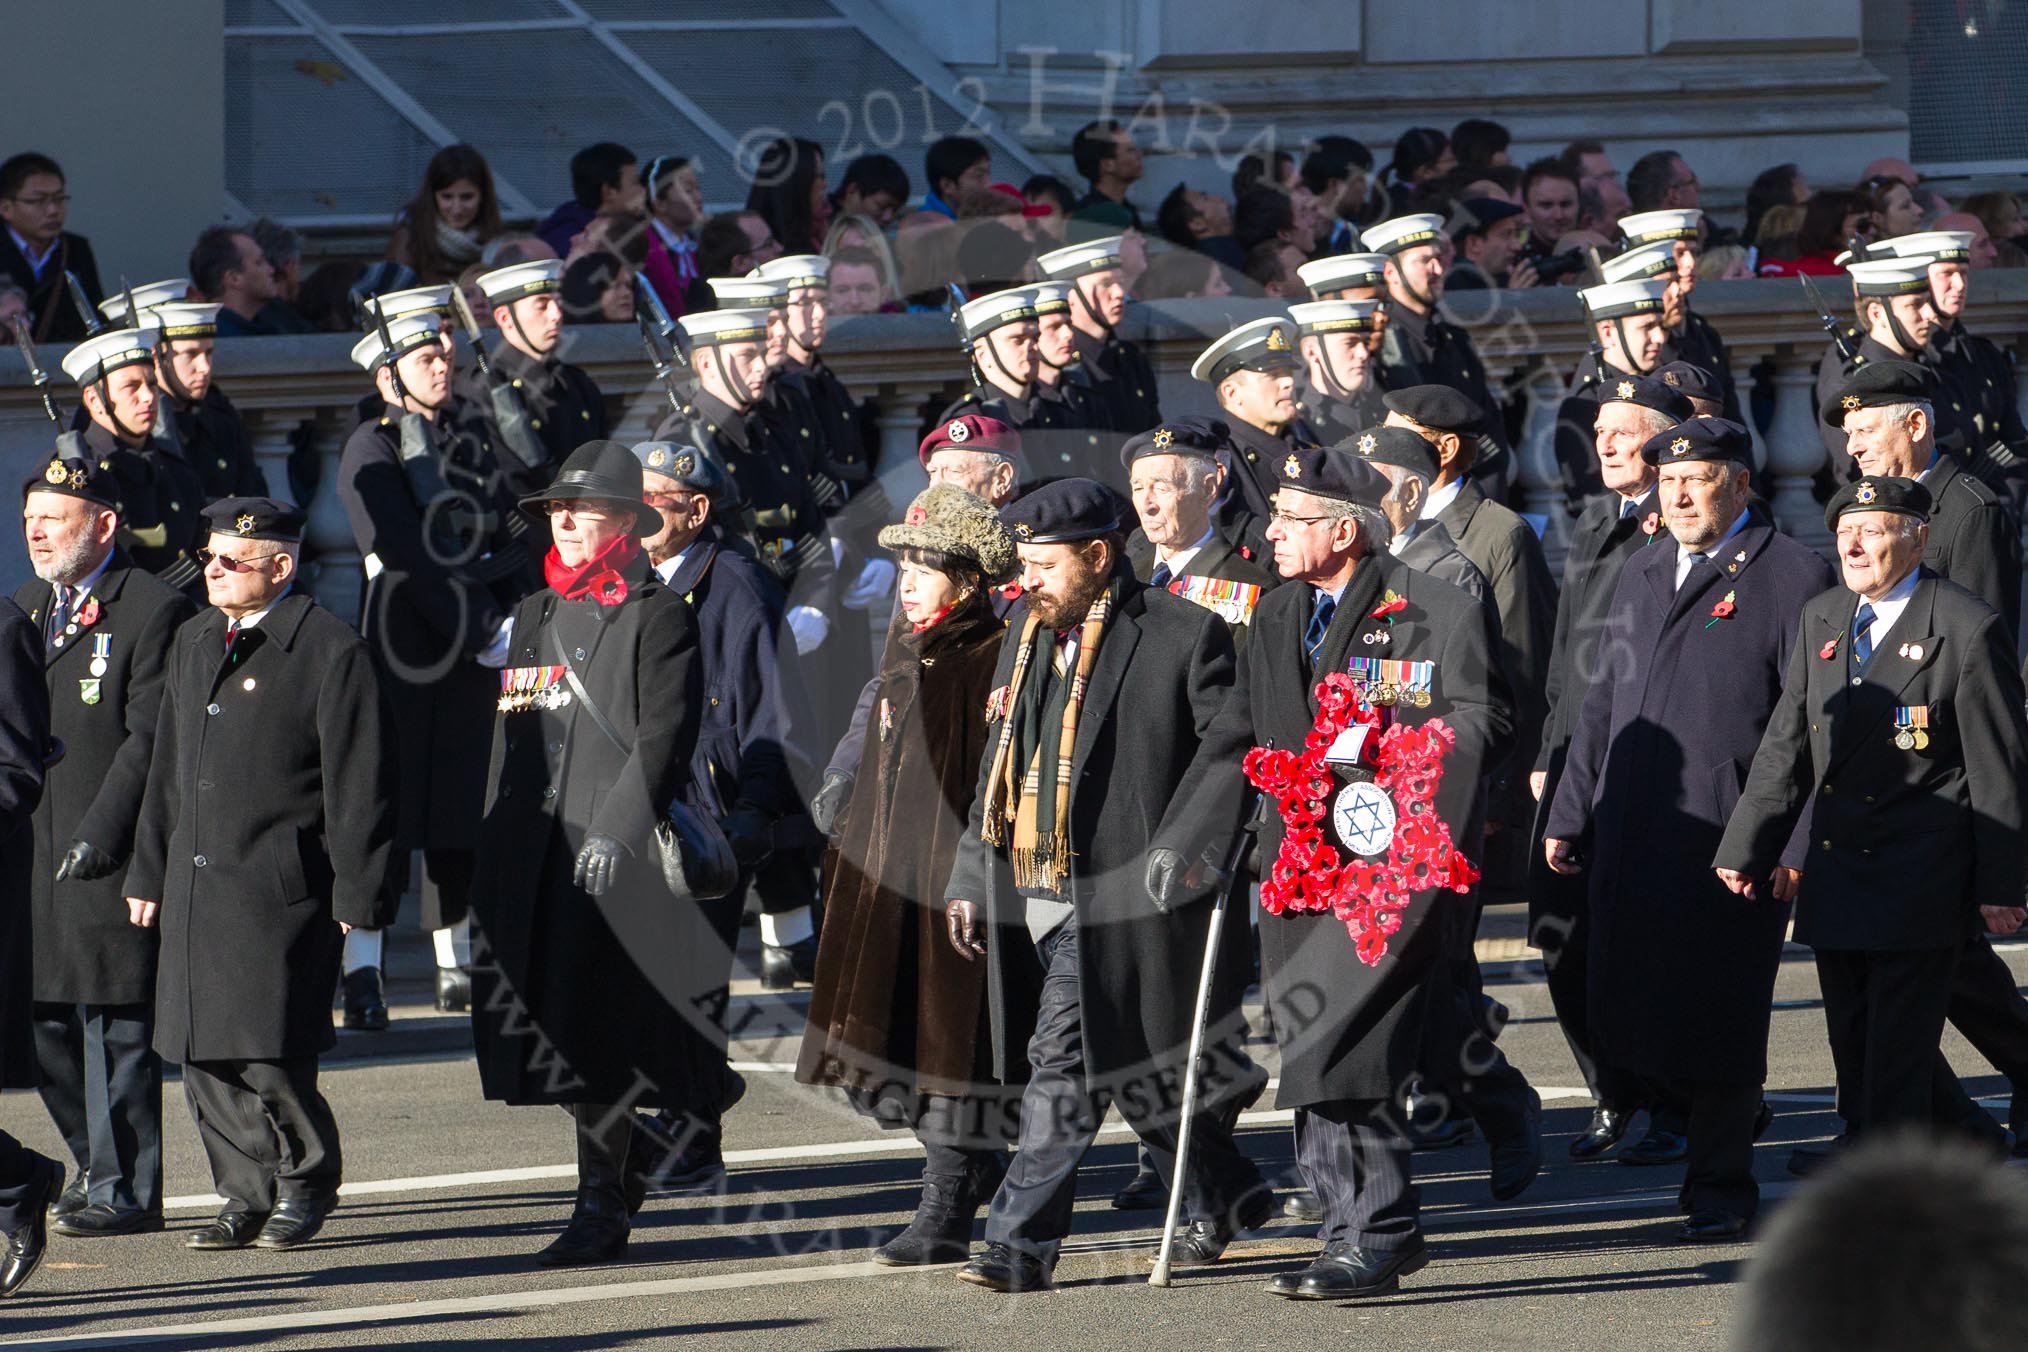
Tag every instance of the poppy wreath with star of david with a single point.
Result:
(1309, 872)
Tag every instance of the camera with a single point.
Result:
(1555, 267)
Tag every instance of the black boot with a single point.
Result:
(598, 1227)
(454, 990)
(365, 1004)
(942, 1229)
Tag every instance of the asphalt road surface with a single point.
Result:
(448, 1197)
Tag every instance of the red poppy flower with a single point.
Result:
(1723, 609)
(89, 616)
(1829, 650)
(608, 588)
(1386, 609)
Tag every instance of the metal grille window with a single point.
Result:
(1966, 108)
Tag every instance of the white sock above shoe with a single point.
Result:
(790, 927)
(362, 949)
(454, 944)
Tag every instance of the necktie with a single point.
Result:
(1627, 506)
(1862, 635)
(59, 609)
(1696, 561)
(231, 635)
(1320, 624)
(1160, 576)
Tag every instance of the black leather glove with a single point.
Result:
(751, 833)
(597, 864)
(829, 804)
(85, 862)
(966, 927)
(1165, 881)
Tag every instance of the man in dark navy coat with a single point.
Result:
(1352, 1035)
(1612, 530)
(107, 627)
(1682, 972)
(1902, 715)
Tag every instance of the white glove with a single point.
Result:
(875, 580)
(494, 654)
(810, 628)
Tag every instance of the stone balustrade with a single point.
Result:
(302, 391)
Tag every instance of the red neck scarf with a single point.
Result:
(598, 577)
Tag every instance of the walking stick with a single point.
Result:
(1235, 877)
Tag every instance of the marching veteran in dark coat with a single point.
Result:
(267, 829)
(1103, 689)
(898, 1016)
(1902, 715)
(1352, 1035)
(586, 973)
(1682, 973)
(108, 627)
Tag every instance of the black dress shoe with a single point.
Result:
(1708, 1227)
(783, 965)
(295, 1221)
(1517, 1159)
(103, 1218)
(25, 1247)
(1805, 1160)
(365, 1003)
(72, 1198)
(1205, 1242)
(597, 1233)
(1763, 1118)
(1303, 1205)
(1348, 1272)
(228, 1230)
(1442, 1134)
(1608, 1126)
(1144, 1192)
(1659, 1146)
(1000, 1268)
(454, 990)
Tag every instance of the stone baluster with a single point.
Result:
(899, 418)
(1541, 477)
(331, 555)
(1795, 447)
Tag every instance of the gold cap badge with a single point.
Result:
(1292, 468)
(1680, 446)
(1849, 402)
(1866, 494)
(245, 523)
(685, 463)
(1671, 378)
(657, 458)
(1368, 443)
(1164, 439)
(55, 473)
(1277, 339)
(1024, 530)
(77, 480)
(1625, 389)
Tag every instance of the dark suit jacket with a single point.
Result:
(1904, 842)
(1974, 541)
(1431, 549)
(24, 738)
(86, 951)
(1220, 560)
(52, 316)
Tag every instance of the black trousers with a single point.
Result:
(1885, 1012)
(1565, 943)
(266, 1129)
(1060, 1117)
(25, 1178)
(447, 887)
(1988, 1008)
(102, 1084)
(1459, 1062)
(1353, 1156)
(1718, 1158)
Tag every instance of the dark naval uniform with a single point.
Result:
(1254, 461)
(1323, 420)
(215, 443)
(1978, 388)
(1444, 354)
(1973, 538)
(1916, 759)
(161, 507)
(269, 815)
(564, 407)
(1121, 381)
(103, 659)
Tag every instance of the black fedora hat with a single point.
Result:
(599, 471)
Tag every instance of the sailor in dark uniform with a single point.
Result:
(1118, 372)
(1000, 330)
(1664, 244)
(845, 433)
(1418, 336)
(1071, 436)
(161, 497)
(205, 426)
(563, 407)
(1626, 317)
(1897, 315)
(1253, 370)
(1363, 277)
(1342, 394)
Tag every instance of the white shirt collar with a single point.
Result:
(36, 261)
(1440, 498)
(1179, 560)
(675, 242)
(253, 621)
(1683, 556)
(83, 589)
(1889, 607)
(666, 569)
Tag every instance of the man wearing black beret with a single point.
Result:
(1887, 413)
(1681, 972)
(1174, 480)
(107, 628)
(1352, 1033)
(1104, 691)
(1409, 464)
(266, 832)
(1902, 713)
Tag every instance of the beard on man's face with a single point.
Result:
(1076, 603)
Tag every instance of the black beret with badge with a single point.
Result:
(1065, 511)
(1876, 384)
(1709, 439)
(76, 477)
(1325, 473)
(1437, 407)
(1648, 392)
(1878, 493)
(1178, 436)
(1690, 380)
(255, 519)
(1396, 446)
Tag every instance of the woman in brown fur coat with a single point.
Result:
(898, 1016)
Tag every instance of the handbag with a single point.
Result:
(696, 858)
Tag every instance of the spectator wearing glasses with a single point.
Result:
(36, 250)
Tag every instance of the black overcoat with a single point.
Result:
(269, 815)
(1974, 540)
(86, 950)
(1904, 843)
(582, 999)
(1349, 1031)
(216, 446)
(1162, 673)
(24, 736)
(1682, 971)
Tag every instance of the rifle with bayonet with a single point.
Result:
(69, 445)
(658, 329)
(1848, 350)
(1597, 376)
(95, 323)
(510, 415)
(964, 344)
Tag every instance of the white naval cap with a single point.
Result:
(414, 300)
(1402, 233)
(1635, 296)
(1257, 345)
(749, 291)
(146, 298)
(1000, 308)
(794, 271)
(1939, 246)
(1646, 227)
(1343, 271)
(1335, 316)
(405, 333)
(1890, 276)
(714, 328)
(504, 286)
(1643, 260)
(185, 319)
(1049, 298)
(1097, 255)
(94, 358)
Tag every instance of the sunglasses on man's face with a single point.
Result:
(231, 564)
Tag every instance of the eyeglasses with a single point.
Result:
(667, 499)
(233, 565)
(1288, 520)
(44, 199)
(583, 510)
